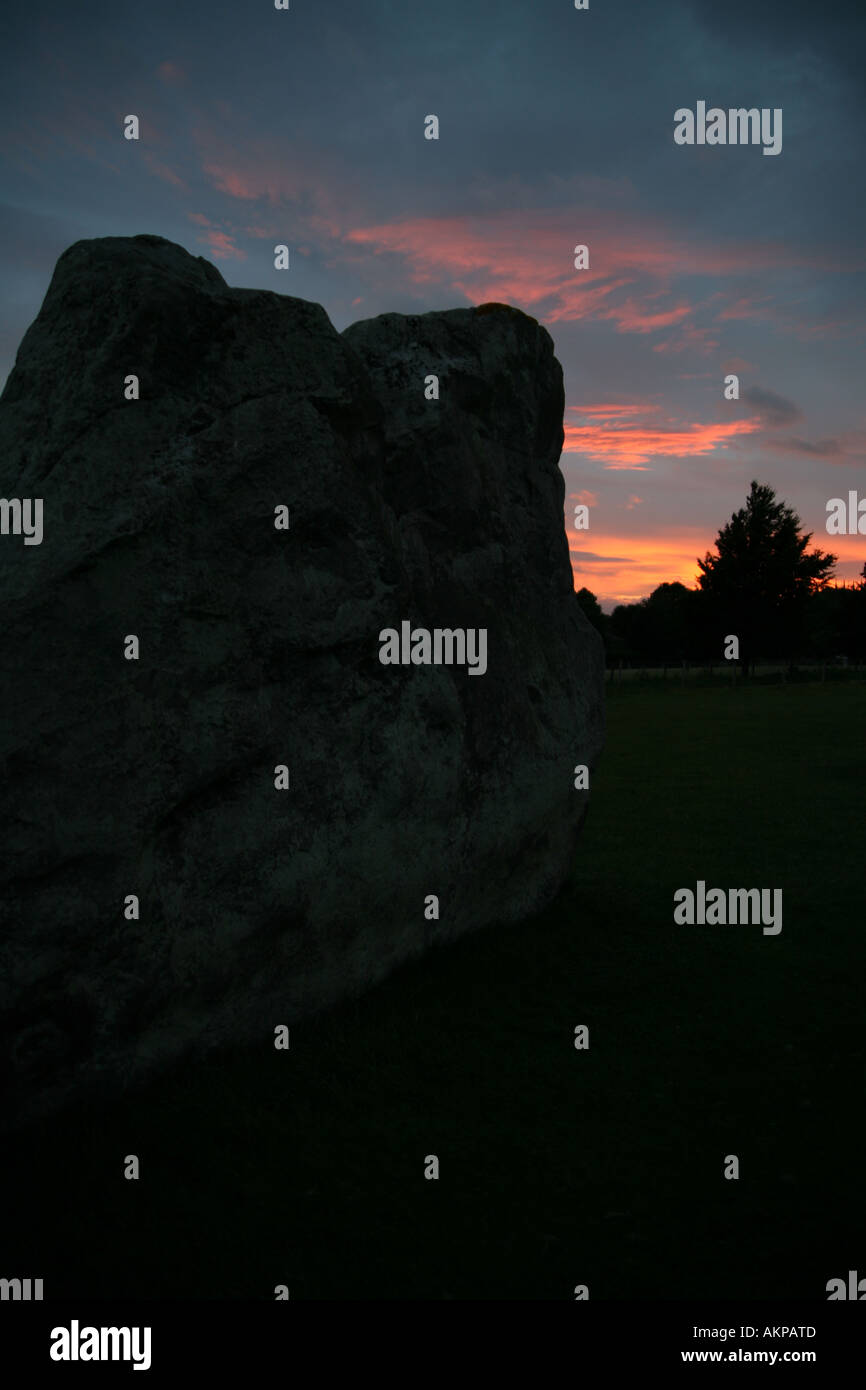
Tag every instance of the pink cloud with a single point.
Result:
(688, 338)
(243, 166)
(629, 443)
(237, 184)
(271, 181)
(612, 412)
(525, 257)
(222, 246)
(162, 171)
(746, 307)
(825, 329)
(630, 318)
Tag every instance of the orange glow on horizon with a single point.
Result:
(626, 568)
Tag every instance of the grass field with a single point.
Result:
(558, 1167)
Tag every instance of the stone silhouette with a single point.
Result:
(259, 647)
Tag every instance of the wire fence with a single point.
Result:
(732, 672)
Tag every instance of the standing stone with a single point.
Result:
(260, 647)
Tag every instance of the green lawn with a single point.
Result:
(558, 1167)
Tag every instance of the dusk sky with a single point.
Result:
(306, 127)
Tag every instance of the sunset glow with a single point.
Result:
(620, 436)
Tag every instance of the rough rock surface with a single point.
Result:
(260, 647)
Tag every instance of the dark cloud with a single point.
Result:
(773, 408)
(838, 36)
(588, 557)
(818, 448)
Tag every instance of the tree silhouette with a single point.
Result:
(662, 628)
(668, 617)
(592, 608)
(757, 584)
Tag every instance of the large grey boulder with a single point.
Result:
(261, 647)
